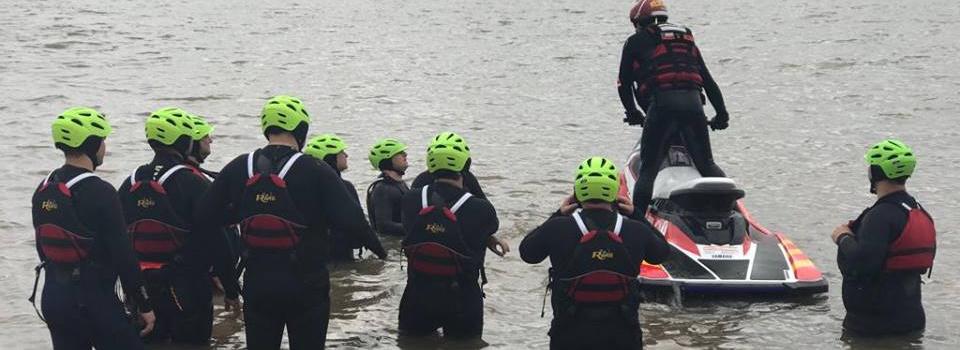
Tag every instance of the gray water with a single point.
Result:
(531, 85)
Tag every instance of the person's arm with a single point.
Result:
(535, 246)
(212, 209)
(111, 234)
(866, 249)
(211, 238)
(339, 209)
(625, 79)
(712, 90)
(656, 248)
(368, 238)
(384, 198)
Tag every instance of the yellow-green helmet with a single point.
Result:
(201, 128)
(75, 125)
(324, 145)
(597, 179)
(893, 157)
(447, 151)
(284, 112)
(385, 149)
(166, 125)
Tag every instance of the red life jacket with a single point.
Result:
(435, 246)
(59, 233)
(155, 229)
(600, 269)
(674, 63)
(269, 220)
(917, 244)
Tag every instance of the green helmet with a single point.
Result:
(324, 145)
(201, 128)
(385, 149)
(284, 112)
(75, 125)
(597, 179)
(447, 151)
(894, 158)
(167, 125)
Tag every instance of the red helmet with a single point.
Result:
(647, 9)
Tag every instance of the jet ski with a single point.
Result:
(717, 246)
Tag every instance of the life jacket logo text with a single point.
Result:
(49, 205)
(146, 203)
(266, 197)
(435, 228)
(601, 255)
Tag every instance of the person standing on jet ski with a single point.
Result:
(595, 253)
(885, 251)
(662, 72)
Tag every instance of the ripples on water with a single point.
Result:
(531, 85)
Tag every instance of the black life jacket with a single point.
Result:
(917, 244)
(435, 246)
(156, 230)
(59, 233)
(269, 220)
(600, 270)
(674, 63)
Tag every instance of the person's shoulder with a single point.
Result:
(95, 185)
(632, 226)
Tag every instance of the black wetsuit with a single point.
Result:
(428, 304)
(668, 113)
(83, 310)
(342, 244)
(292, 294)
(583, 329)
(181, 291)
(879, 302)
(469, 182)
(383, 205)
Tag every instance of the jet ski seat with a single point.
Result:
(709, 195)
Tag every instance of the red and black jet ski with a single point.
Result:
(718, 248)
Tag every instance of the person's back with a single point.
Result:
(285, 205)
(158, 200)
(385, 194)
(663, 73)
(447, 231)
(595, 254)
(82, 243)
(884, 252)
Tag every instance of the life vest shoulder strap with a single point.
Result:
(425, 199)
(72, 181)
(283, 171)
(163, 177)
(583, 223)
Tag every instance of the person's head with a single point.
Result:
(597, 181)
(329, 148)
(389, 154)
(81, 132)
(646, 12)
(890, 161)
(285, 115)
(170, 130)
(447, 156)
(202, 138)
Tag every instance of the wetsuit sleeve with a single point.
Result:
(625, 78)
(536, 245)
(112, 234)
(211, 237)
(384, 198)
(369, 238)
(473, 185)
(656, 248)
(711, 88)
(864, 252)
(337, 206)
(211, 211)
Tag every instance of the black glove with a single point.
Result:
(634, 117)
(720, 122)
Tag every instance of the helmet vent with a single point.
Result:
(77, 121)
(97, 125)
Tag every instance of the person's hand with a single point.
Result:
(839, 231)
(148, 319)
(568, 205)
(232, 304)
(497, 246)
(625, 205)
(634, 117)
(720, 121)
(217, 285)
